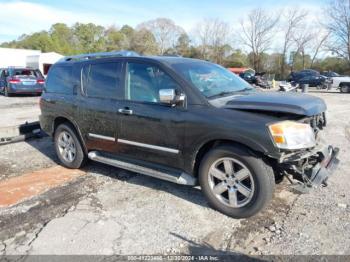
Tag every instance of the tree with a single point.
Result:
(114, 39)
(236, 59)
(62, 39)
(165, 31)
(89, 37)
(212, 35)
(143, 42)
(293, 20)
(257, 33)
(302, 39)
(318, 43)
(183, 45)
(128, 33)
(203, 32)
(338, 25)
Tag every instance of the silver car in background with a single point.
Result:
(15, 80)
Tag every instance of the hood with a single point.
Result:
(292, 103)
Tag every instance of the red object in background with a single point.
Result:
(14, 81)
(238, 70)
(40, 81)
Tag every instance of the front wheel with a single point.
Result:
(235, 182)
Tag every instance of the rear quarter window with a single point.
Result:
(59, 80)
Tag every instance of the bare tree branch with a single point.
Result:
(165, 31)
(338, 25)
(293, 19)
(257, 33)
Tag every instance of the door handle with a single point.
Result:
(125, 111)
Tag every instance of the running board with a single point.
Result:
(178, 178)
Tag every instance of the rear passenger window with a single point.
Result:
(103, 80)
(60, 80)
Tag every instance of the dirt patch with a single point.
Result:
(4, 169)
(38, 211)
(18, 189)
(257, 231)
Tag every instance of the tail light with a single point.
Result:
(14, 81)
(40, 81)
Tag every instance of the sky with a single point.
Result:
(25, 17)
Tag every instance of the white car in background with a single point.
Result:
(337, 81)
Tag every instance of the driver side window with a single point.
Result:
(144, 82)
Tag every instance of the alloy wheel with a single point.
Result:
(231, 182)
(66, 146)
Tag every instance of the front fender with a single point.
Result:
(211, 140)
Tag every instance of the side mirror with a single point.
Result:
(169, 96)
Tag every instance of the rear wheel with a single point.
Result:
(235, 182)
(68, 147)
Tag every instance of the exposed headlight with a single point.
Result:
(292, 135)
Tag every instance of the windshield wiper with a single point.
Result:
(245, 89)
(225, 93)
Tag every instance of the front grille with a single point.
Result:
(317, 122)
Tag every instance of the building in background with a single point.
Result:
(28, 58)
(43, 61)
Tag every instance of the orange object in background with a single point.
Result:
(17, 189)
(238, 70)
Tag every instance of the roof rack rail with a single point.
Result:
(98, 55)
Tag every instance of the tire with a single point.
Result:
(344, 89)
(261, 181)
(66, 140)
(6, 92)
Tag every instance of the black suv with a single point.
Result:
(186, 121)
(309, 77)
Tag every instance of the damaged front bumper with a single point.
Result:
(320, 173)
(311, 168)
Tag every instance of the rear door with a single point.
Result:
(100, 94)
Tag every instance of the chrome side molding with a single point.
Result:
(108, 138)
(181, 178)
(160, 148)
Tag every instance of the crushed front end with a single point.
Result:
(311, 167)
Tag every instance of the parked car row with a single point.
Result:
(20, 80)
(324, 80)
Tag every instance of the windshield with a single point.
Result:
(211, 79)
(334, 74)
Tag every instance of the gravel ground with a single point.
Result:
(110, 211)
(17, 110)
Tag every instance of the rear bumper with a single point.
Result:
(25, 90)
